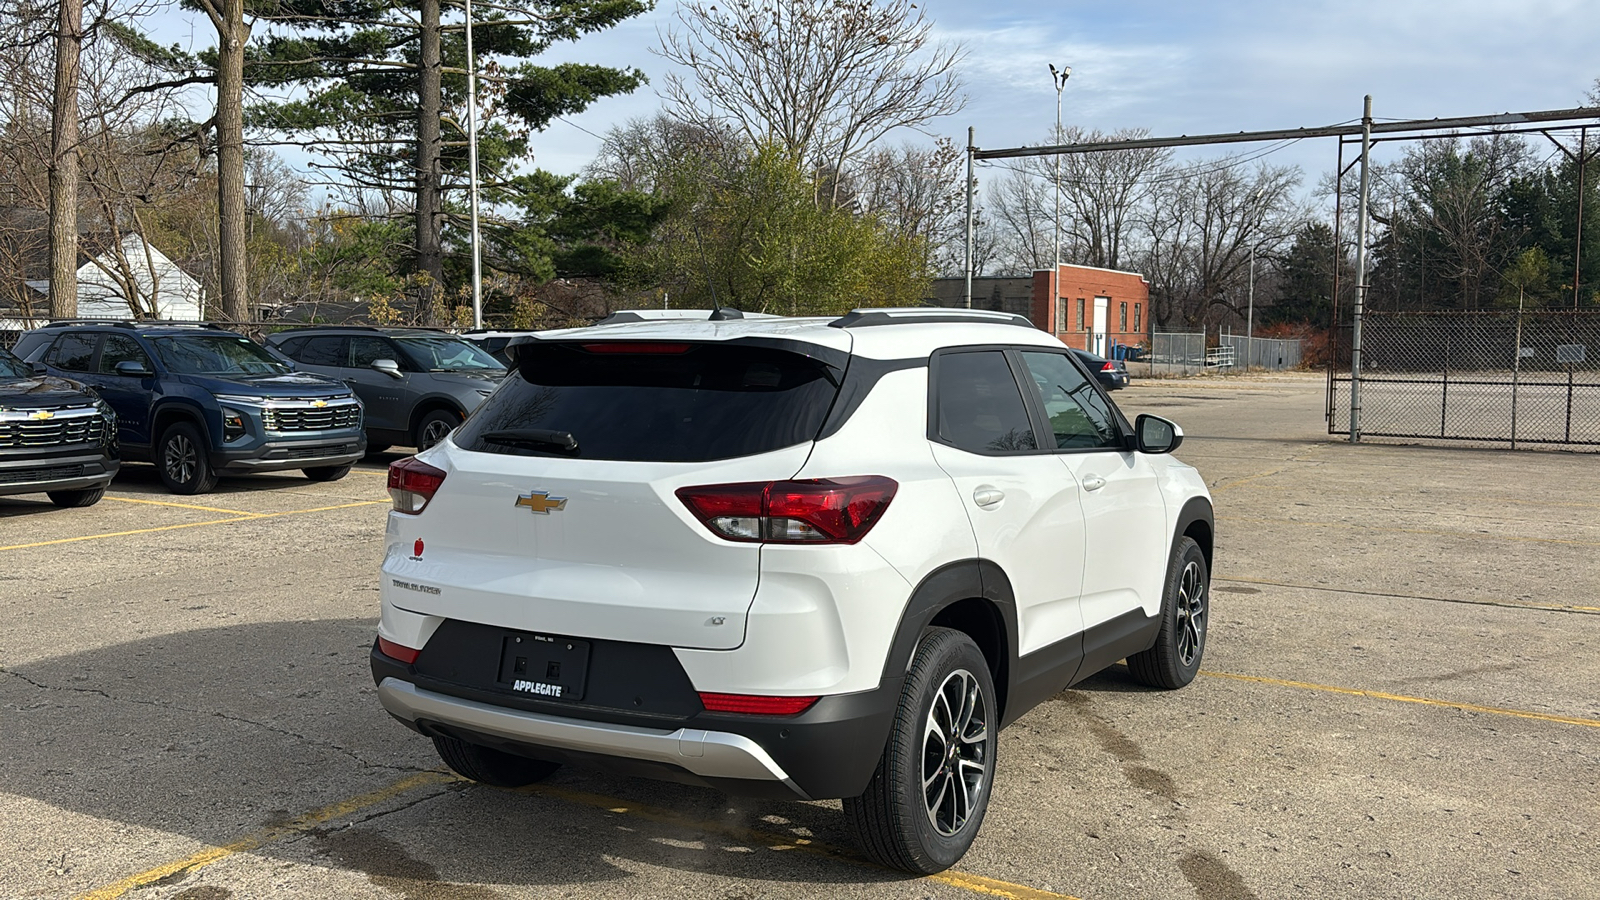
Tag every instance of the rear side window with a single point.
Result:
(322, 351)
(694, 403)
(980, 409)
(72, 352)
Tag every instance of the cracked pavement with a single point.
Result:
(1403, 647)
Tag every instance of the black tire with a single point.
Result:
(181, 459)
(433, 428)
(1185, 619)
(375, 449)
(76, 499)
(896, 821)
(492, 767)
(327, 473)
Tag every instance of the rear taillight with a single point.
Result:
(412, 484)
(400, 652)
(756, 704)
(817, 511)
(1109, 366)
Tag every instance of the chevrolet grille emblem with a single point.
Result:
(541, 502)
(42, 414)
(319, 403)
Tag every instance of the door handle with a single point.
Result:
(1093, 483)
(987, 497)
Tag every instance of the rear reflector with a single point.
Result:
(756, 705)
(814, 511)
(658, 347)
(412, 484)
(395, 651)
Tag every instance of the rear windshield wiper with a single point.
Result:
(560, 441)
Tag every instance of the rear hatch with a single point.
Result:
(558, 512)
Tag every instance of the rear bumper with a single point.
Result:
(828, 752)
(275, 456)
(36, 472)
(713, 755)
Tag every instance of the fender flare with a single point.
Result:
(1196, 509)
(944, 587)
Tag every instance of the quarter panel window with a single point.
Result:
(1079, 415)
(980, 409)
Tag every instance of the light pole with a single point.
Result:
(1250, 316)
(472, 175)
(1059, 76)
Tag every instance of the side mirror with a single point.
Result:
(388, 367)
(1157, 435)
(133, 368)
(40, 368)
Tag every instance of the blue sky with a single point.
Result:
(1189, 67)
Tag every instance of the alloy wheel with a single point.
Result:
(1191, 613)
(955, 753)
(180, 458)
(433, 434)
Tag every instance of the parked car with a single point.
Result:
(1111, 375)
(56, 437)
(801, 558)
(200, 401)
(417, 383)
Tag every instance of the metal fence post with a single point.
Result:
(1361, 270)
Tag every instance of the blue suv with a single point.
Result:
(200, 401)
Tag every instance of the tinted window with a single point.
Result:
(364, 351)
(1079, 415)
(980, 408)
(291, 347)
(72, 352)
(323, 351)
(703, 402)
(447, 354)
(120, 348)
(215, 354)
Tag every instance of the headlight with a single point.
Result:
(105, 409)
(232, 424)
(239, 398)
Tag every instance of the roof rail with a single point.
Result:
(720, 314)
(922, 315)
(139, 323)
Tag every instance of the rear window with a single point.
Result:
(695, 403)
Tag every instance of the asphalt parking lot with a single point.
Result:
(1398, 701)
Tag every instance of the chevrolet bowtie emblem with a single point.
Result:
(541, 502)
(319, 403)
(42, 414)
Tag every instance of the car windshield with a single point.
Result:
(11, 367)
(448, 354)
(219, 354)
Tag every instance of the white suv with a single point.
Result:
(786, 557)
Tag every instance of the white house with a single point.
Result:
(155, 280)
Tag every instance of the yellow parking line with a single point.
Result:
(270, 835)
(249, 517)
(233, 512)
(1402, 698)
(977, 884)
(1360, 526)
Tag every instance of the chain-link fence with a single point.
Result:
(1263, 353)
(1177, 353)
(1497, 377)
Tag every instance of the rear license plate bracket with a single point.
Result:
(543, 666)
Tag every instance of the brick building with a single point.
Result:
(1091, 309)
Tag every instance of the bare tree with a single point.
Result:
(916, 191)
(1019, 207)
(1104, 193)
(823, 79)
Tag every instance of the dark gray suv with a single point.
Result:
(416, 383)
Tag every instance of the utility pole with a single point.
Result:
(1361, 270)
(971, 188)
(472, 175)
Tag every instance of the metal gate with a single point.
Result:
(1511, 377)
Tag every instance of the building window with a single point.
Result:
(1123, 323)
(1081, 326)
(1136, 319)
(1061, 315)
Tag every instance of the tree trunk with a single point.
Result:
(64, 163)
(232, 36)
(430, 257)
